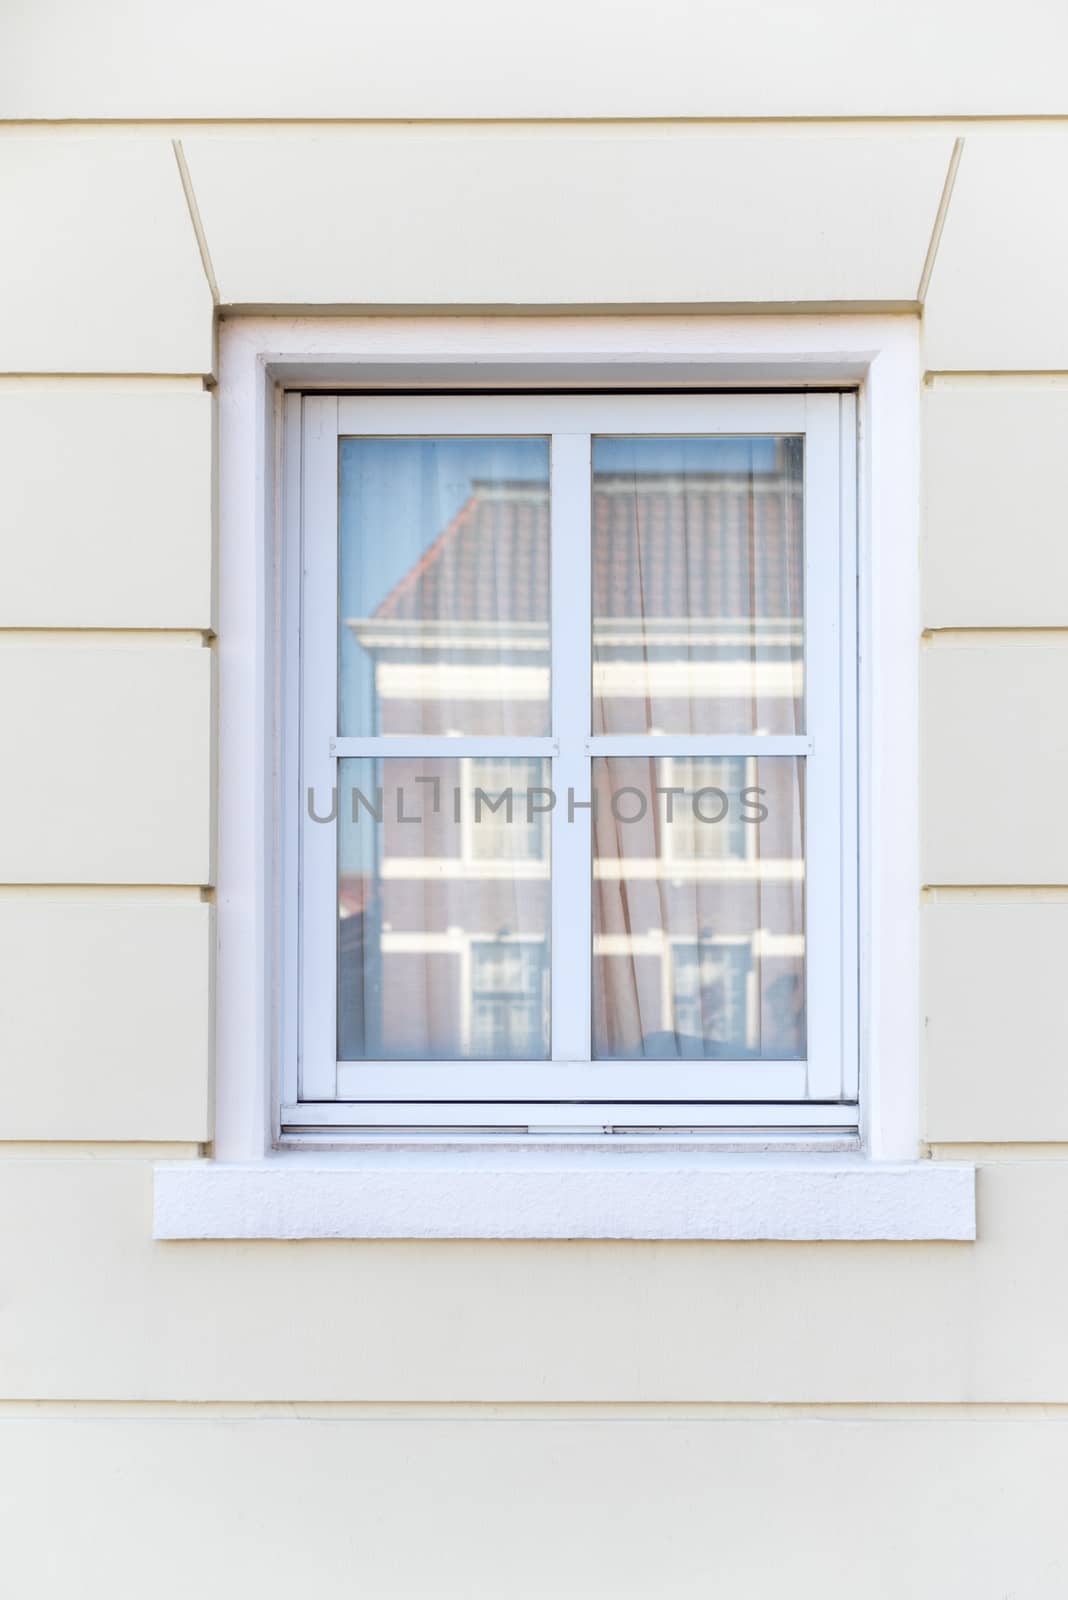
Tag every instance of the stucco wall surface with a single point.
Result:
(527, 1419)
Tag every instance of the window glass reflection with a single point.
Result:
(444, 559)
(697, 585)
(443, 904)
(698, 908)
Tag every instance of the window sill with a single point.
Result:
(564, 1194)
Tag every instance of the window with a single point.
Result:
(574, 809)
(710, 1166)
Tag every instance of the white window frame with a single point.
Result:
(743, 1183)
(263, 359)
(573, 1089)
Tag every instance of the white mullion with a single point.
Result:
(319, 660)
(823, 778)
(572, 864)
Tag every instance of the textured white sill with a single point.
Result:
(564, 1194)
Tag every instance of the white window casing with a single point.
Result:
(840, 1159)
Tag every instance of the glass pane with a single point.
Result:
(443, 900)
(698, 908)
(697, 585)
(444, 586)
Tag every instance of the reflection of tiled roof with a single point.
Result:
(668, 547)
(490, 564)
(703, 547)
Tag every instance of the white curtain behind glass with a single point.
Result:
(697, 585)
(698, 629)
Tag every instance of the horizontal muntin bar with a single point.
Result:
(670, 744)
(346, 747)
(383, 745)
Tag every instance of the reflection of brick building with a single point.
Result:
(698, 924)
(444, 940)
(697, 605)
(462, 642)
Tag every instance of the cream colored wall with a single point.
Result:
(477, 1418)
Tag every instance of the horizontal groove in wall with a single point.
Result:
(1052, 633)
(99, 1150)
(576, 308)
(1053, 379)
(180, 638)
(15, 382)
(43, 127)
(504, 1411)
(119, 893)
(1041, 892)
(994, 1154)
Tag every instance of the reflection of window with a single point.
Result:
(507, 997)
(708, 819)
(506, 822)
(710, 981)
